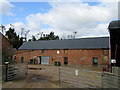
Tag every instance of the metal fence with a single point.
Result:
(80, 78)
(11, 72)
(3, 72)
(110, 80)
(16, 71)
(0, 73)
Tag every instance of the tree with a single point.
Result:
(50, 36)
(29, 40)
(2, 28)
(75, 32)
(14, 39)
(33, 38)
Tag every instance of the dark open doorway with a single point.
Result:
(65, 60)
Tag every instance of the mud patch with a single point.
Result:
(39, 78)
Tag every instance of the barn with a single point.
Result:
(82, 51)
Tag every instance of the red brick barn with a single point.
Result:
(84, 51)
(6, 48)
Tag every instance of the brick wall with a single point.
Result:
(6, 45)
(7, 49)
(75, 57)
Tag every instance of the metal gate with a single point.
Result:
(16, 71)
(80, 78)
(110, 80)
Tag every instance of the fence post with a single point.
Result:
(6, 72)
(101, 78)
(118, 81)
(59, 75)
(27, 69)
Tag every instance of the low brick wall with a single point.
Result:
(110, 80)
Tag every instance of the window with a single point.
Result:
(95, 61)
(105, 58)
(65, 60)
(105, 55)
(65, 51)
(42, 51)
(106, 52)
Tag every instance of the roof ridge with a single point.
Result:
(69, 39)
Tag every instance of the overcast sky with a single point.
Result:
(89, 19)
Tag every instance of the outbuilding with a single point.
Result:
(114, 29)
(83, 51)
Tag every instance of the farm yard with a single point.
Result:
(60, 45)
(41, 76)
(35, 78)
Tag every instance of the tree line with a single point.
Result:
(50, 36)
(17, 41)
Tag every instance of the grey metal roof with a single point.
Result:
(83, 43)
(114, 25)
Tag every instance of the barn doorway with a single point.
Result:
(44, 60)
(22, 59)
(65, 60)
(31, 61)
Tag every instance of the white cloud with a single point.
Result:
(65, 18)
(5, 8)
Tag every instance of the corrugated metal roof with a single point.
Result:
(114, 25)
(83, 43)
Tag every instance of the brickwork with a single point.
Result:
(75, 57)
(6, 45)
(7, 48)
